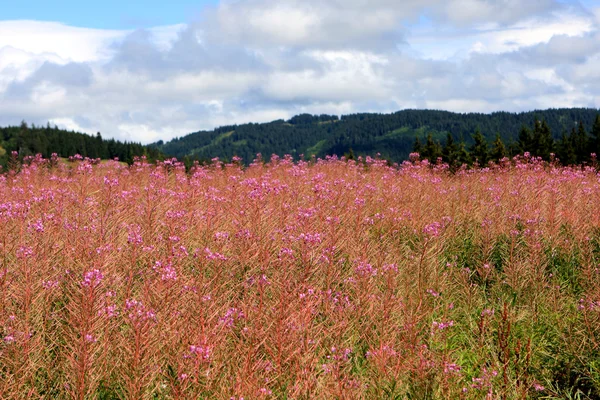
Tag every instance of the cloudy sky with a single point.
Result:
(150, 70)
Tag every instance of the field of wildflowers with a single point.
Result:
(322, 279)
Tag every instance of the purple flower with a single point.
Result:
(232, 315)
(365, 270)
(441, 325)
(92, 278)
(451, 368)
(433, 229)
(138, 312)
(488, 312)
(203, 352)
(47, 285)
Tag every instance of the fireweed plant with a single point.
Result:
(299, 280)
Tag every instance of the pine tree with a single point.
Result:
(595, 139)
(525, 140)
(545, 144)
(536, 138)
(542, 143)
(100, 145)
(498, 151)
(462, 154)
(479, 150)
(565, 150)
(432, 150)
(417, 146)
(580, 143)
(449, 151)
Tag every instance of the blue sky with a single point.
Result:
(149, 70)
(106, 14)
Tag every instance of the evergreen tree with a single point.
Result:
(525, 140)
(596, 136)
(541, 141)
(580, 143)
(450, 150)
(498, 151)
(544, 142)
(432, 149)
(417, 146)
(462, 154)
(22, 139)
(100, 146)
(479, 150)
(565, 150)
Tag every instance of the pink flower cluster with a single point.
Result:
(92, 278)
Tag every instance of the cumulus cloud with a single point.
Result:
(260, 60)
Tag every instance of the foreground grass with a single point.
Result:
(283, 280)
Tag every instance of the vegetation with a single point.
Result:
(324, 279)
(29, 140)
(571, 135)
(393, 136)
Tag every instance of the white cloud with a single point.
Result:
(493, 13)
(260, 60)
(455, 42)
(57, 40)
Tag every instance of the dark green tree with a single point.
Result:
(450, 150)
(542, 143)
(432, 149)
(100, 145)
(479, 149)
(596, 136)
(462, 154)
(565, 150)
(498, 151)
(581, 143)
(417, 146)
(525, 140)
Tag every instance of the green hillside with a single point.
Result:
(30, 140)
(392, 135)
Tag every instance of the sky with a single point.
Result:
(150, 70)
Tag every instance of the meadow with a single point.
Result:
(317, 279)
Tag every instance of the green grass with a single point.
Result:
(317, 148)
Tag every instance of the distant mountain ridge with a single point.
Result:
(393, 135)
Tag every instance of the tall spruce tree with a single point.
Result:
(524, 141)
(498, 151)
(417, 146)
(545, 144)
(462, 154)
(581, 143)
(432, 149)
(595, 139)
(479, 149)
(541, 141)
(449, 151)
(565, 150)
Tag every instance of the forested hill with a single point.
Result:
(30, 140)
(392, 135)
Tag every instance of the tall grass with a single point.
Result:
(328, 279)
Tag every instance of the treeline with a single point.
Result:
(392, 135)
(31, 140)
(576, 147)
